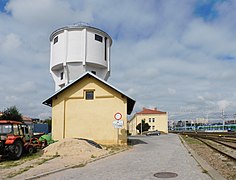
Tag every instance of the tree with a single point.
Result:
(144, 127)
(11, 113)
(49, 122)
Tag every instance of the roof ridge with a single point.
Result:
(150, 111)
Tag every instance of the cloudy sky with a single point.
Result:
(178, 56)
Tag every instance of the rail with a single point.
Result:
(224, 143)
(229, 153)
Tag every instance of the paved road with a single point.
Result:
(153, 154)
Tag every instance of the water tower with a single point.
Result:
(76, 49)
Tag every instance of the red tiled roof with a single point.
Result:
(150, 111)
(26, 119)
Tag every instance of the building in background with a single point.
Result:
(201, 121)
(27, 120)
(157, 120)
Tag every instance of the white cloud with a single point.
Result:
(162, 54)
(171, 91)
(223, 104)
(10, 43)
(11, 99)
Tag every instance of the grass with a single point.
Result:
(204, 171)
(114, 148)
(92, 156)
(10, 163)
(47, 159)
(79, 166)
(19, 172)
(190, 140)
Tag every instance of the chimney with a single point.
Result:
(155, 109)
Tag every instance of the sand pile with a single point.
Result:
(73, 147)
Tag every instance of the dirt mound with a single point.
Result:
(73, 147)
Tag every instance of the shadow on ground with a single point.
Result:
(133, 142)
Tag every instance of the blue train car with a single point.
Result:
(217, 128)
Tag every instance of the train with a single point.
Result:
(217, 128)
(209, 128)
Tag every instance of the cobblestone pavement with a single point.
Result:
(154, 154)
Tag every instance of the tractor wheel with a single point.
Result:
(30, 149)
(17, 150)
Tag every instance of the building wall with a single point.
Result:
(75, 117)
(160, 122)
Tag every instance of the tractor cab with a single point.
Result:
(14, 128)
(15, 138)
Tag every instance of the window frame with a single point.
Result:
(98, 38)
(105, 47)
(88, 96)
(55, 40)
(94, 72)
(62, 75)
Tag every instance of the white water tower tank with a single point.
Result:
(76, 49)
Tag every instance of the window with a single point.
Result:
(5, 128)
(25, 129)
(98, 38)
(153, 127)
(16, 129)
(153, 119)
(150, 119)
(94, 72)
(62, 75)
(89, 95)
(55, 40)
(105, 55)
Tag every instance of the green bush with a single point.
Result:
(11, 113)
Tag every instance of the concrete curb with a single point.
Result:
(74, 166)
(205, 166)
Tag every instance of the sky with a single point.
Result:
(178, 56)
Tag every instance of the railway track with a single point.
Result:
(225, 137)
(217, 149)
(222, 148)
(223, 143)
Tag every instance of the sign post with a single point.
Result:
(118, 123)
(118, 116)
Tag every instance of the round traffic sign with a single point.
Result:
(118, 116)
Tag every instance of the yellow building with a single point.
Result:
(158, 120)
(87, 108)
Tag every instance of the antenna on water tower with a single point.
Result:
(81, 23)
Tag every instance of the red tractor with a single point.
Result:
(16, 138)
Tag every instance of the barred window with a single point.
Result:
(89, 95)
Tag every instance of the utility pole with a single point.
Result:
(184, 125)
(234, 118)
(223, 119)
(141, 127)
